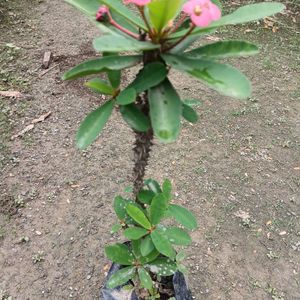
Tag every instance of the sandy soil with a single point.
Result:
(238, 169)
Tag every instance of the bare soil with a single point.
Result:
(238, 169)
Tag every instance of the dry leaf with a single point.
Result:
(75, 186)
(242, 214)
(31, 125)
(41, 118)
(282, 233)
(11, 94)
(106, 268)
(23, 131)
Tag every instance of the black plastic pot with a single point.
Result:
(119, 293)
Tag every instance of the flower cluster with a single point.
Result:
(201, 12)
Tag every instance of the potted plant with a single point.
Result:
(158, 33)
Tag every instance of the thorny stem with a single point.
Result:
(181, 39)
(179, 23)
(143, 140)
(118, 26)
(141, 9)
(142, 148)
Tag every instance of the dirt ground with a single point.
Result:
(238, 169)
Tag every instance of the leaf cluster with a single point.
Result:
(151, 249)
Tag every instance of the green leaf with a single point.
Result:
(100, 86)
(178, 236)
(165, 111)
(249, 13)
(128, 189)
(192, 102)
(153, 185)
(103, 64)
(180, 256)
(161, 243)
(151, 75)
(121, 277)
(183, 216)
(244, 14)
(163, 11)
(182, 268)
(147, 245)
(115, 228)
(136, 248)
(158, 207)
(135, 118)
(223, 78)
(162, 267)
(127, 96)
(167, 189)
(135, 233)
(120, 207)
(145, 279)
(93, 124)
(189, 113)
(114, 43)
(120, 254)
(138, 216)
(90, 8)
(146, 196)
(113, 76)
(218, 3)
(224, 49)
(121, 9)
(150, 257)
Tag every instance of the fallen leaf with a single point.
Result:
(242, 214)
(41, 118)
(106, 268)
(269, 223)
(23, 131)
(282, 233)
(75, 186)
(11, 94)
(209, 252)
(31, 125)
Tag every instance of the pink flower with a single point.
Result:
(202, 12)
(137, 2)
(101, 13)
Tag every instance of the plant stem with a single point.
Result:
(179, 23)
(143, 140)
(181, 39)
(118, 26)
(142, 148)
(141, 9)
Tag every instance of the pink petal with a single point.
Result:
(203, 20)
(215, 12)
(188, 7)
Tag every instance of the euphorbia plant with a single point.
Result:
(158, 36)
